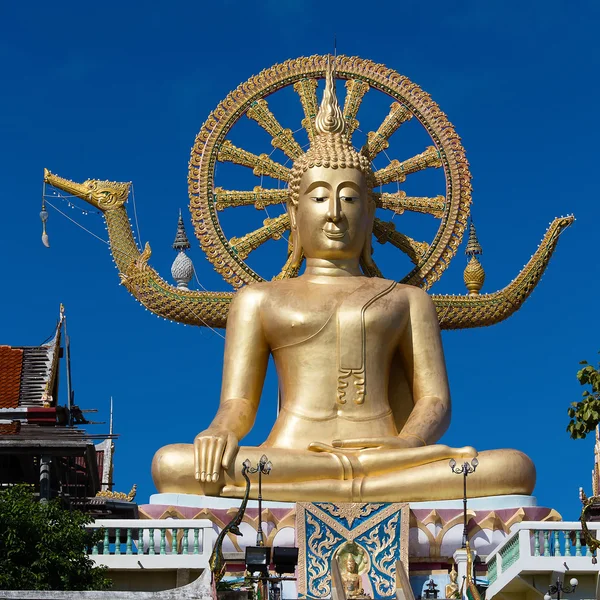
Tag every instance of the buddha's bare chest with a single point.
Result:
(315, 317)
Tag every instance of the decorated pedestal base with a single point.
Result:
(432, 530)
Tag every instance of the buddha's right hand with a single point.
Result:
(214, 449)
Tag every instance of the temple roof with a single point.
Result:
(29, 374)
(32, 423)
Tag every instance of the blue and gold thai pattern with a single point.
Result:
(379, 530)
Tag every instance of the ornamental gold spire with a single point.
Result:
(474, 275)
(330, 118)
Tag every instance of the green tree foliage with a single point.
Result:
(44, 547)
(585, 414)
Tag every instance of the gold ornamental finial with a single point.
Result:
(474, 275)
(330, 118)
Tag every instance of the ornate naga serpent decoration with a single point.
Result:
(118, 495)
(217, 562)
(228, 255)
(469, 580)
(593, 502)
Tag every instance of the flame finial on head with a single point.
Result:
(329, 118)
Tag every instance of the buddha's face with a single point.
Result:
(351, 565)
(333, 215)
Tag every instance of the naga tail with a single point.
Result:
(464, 312)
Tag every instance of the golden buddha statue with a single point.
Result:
(353, 585)
(451, 589)
(362, 377)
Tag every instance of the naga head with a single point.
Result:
(330, 204)
(104, 195)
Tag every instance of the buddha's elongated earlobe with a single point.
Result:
(367, 251)
(294, 238)
(296, 250)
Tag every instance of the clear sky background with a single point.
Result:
(118, 90)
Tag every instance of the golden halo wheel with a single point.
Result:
(212, 146)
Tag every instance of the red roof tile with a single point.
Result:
(10, 428)
(11, 365)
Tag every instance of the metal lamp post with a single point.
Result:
(263, 467)
(560, 588)
(465, 470)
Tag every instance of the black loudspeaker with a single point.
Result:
(285, 559)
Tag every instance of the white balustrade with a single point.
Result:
(535, 546)
(153, 543)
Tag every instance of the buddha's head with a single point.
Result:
(453, 575)
(330, 205)
(351, 566)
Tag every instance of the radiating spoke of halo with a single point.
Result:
(272, 229)
(378, 140)
(356, 89)
(386, 232)
(259, 197)
(282, 138)
(399, 202)
(370, 270)
(397, 171)
(261, 165)
(289, 271)
(307, 90)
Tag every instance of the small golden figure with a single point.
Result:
(352, 580)
(451, 590)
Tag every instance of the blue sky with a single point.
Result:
(119, 90)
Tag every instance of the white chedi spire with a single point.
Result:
(182, 268)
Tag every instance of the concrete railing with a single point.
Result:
(540, 546)
(154, 544)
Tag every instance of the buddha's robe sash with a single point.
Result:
(351, 339)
